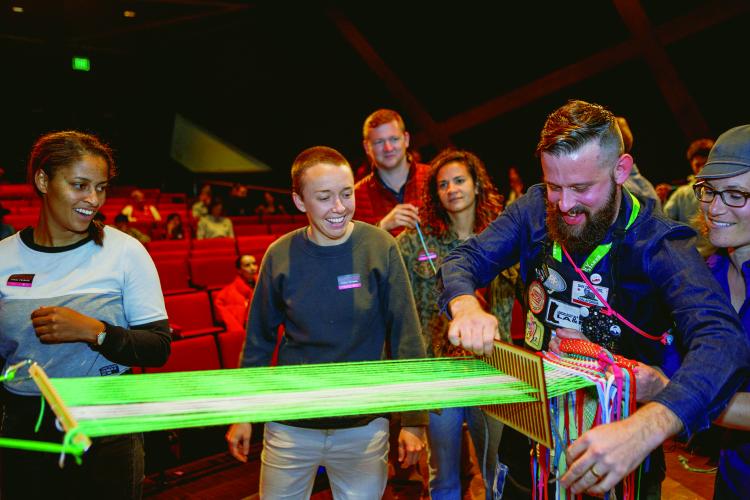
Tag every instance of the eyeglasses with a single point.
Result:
(730, 197)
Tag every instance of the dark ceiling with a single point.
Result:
(275, 77)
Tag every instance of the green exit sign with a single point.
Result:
(81, 64)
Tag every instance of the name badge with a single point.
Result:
(426, 256)
(347, 281)
(582, 294)
(24, 280)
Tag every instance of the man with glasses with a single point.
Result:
(390, 195)
(581, 235)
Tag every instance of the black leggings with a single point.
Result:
(112, 467)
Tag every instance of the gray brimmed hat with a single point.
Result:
(730, 155)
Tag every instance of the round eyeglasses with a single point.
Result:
(730, 197)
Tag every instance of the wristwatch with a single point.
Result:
(100, 337)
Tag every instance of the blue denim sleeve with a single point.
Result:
(717, 359)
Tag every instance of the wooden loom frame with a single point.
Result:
(531, 419)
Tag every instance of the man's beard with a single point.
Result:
(582, 238)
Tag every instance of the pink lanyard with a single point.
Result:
(665, 338)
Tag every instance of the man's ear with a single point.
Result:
(623, 168)
(41, 180)
(298, 202)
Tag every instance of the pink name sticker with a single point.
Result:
(347, 281)
(24, 280)
(421, 257)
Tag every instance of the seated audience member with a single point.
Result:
(123, 224)
(5, 229)
(233, 300)
(200, 207)
(138, 209)
(516, 185)
(174, 229)
(215, 225)
(237, 201)
(303, 286)
(269, 205)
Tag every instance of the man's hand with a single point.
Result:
(411, 444)
(604, 455)
(55, 325)
(403, 215)
(564, 333)
(472, 328)
(238, 439)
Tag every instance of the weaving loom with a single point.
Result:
(512, 384)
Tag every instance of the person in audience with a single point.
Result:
(460, 200)
(138, 209)
(123, 224)
(516, 184)
(269, 205)
(682, 205)
(233, 301)
(82, 300)
(215, 225)
(5, 229)
(341, 292)
(200, 207)
(390, 195)
(173, 227)
(237, 201)
(636, 183)
(650, 272)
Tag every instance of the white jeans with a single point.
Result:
(355, 459)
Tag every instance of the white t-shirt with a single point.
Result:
(116, 283)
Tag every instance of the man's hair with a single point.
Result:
(121, 218)
(310, 157)
(576, 124)
(381, 117)
(700, 147)
(488, 202)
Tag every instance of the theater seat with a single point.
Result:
(173, 275)
(194, 353)
(192, 312)
(212, 272)
(230, 346)
(213, 243)
(254, 245)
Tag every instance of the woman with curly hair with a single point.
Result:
(460, 201)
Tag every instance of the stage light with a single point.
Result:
(81, 63)
(17, 9)
(128, 13)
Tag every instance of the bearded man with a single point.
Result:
(584, 242)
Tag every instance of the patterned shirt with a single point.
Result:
(499, 294)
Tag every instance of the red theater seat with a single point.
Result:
(230, 345)
(279, 229)
(213, 243)
(254, 245)
(250, 229)
(192, 313)
(173, 275)
(194, 353)
(212, 272)
(168, 245)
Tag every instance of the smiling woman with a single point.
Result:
(81, 300)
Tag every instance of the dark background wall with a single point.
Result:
(275, 77)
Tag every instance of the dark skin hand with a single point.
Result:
(56, 325)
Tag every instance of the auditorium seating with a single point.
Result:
(212, 272)
(190, 314)
(194, 353)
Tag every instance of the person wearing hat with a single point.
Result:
(5, 229)
(723, 189)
